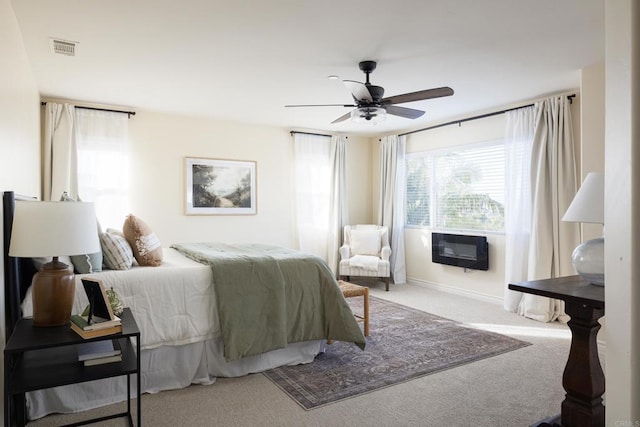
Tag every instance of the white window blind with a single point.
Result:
(419, 171)
(459, 189)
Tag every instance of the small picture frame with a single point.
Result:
(220, 187)
(99, 305)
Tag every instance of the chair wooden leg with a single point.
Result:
(386, 283)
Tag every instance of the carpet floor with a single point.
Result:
(403, 344)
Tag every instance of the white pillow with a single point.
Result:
(365, 227)
(365, 242)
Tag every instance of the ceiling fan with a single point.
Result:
(370, 104)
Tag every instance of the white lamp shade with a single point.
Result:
(588, 204)
(47, 229)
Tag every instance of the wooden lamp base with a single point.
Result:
(53, 293)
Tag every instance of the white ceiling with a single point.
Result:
(244, 60)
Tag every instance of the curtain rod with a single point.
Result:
(311, 133)
(482, 116)
(128, 113)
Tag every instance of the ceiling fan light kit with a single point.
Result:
(370, 106)
(370, 114)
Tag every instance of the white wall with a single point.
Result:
(161, 141)
(19, 126)
(591, 159)
(418, 241)
(622, 210)
(361, 158)
(19, 111)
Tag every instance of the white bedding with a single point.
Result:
(173, 304)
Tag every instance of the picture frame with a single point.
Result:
(99, 305)
(220, 186)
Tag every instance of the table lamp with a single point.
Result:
(51, 229)
(588, 206)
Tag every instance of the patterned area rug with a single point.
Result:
(403, 344)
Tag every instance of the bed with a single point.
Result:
(188, 323)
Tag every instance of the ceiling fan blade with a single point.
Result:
(358, 90)
(419, 95)
(322, 105)
(407, 113)
(342, 118)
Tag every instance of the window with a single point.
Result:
(461, 188)
(103, 164)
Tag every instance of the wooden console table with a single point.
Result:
(583, 378)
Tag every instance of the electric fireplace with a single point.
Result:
(460, 250)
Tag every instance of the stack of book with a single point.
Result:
(99, 352)
(97, 328)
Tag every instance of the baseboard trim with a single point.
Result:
(456, 291)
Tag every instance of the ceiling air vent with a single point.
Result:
(63, 47)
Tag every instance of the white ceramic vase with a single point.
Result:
(588, 260)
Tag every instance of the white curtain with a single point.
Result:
(103, 168)
(391, 208)
(59, 152)
(551, 187)
(312, 156)
(338, 204)
(520, 127)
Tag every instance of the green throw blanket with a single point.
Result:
(269, 296)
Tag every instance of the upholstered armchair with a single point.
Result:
(365, 253)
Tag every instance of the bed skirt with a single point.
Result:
(197, 363)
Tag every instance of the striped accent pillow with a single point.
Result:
(116, 252)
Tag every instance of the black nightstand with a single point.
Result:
(36, 358)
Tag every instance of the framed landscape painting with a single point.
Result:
(220, 187)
